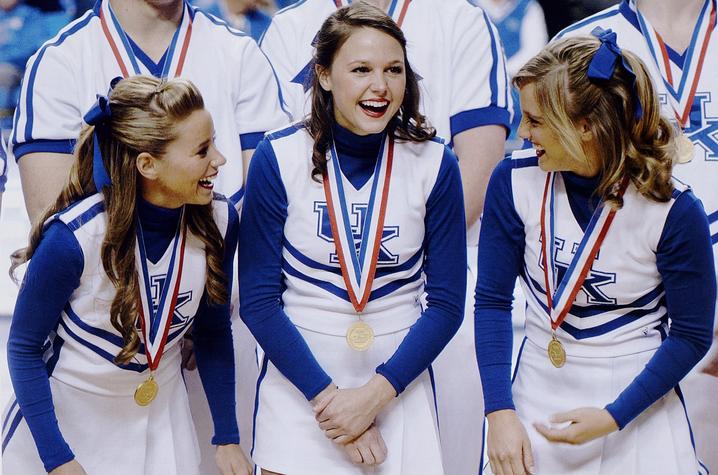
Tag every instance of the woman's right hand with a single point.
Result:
(368, 449)
(72, 467)
(509, 448)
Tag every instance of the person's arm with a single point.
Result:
(52, 276)
(480, 104)
(685, 262)
(261, 234)
(501, 253)
(351, 411)
(43, 175)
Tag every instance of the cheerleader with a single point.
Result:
(349, 217)
(136, 249)
(614, 257)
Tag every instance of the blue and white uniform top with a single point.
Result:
(64, 76)
(654, 266)
(686, 85)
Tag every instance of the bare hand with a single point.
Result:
(349, 413)
(586, 423)
(368, 449)
(72, 467)
(509, 448)
(187, 350)
(230, 460)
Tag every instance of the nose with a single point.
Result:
(378, 83)
(523, 129)
(217, 158)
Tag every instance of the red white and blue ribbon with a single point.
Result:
(125, 56)
(358, 260)
(560, 302)
(155, 324)
(397, 9)
(682, 84)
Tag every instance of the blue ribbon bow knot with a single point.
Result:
(604, 64)
(98, 115)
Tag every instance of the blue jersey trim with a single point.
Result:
(495, 59)
(9, 413)
(260, 378)
(219, 22)
(249, 141)
(308, 261)
(43, 145)
(33, 73)
(85, 217)
(57, 343)
(581, 334)
(524, 162)
(15, 422)
(433, 393)
(98, 332)
(491, 115)
(236, 197)
(285, 132)
(587, 21)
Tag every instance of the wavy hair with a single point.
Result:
(408, 123)
(642, 149)
(145, 114)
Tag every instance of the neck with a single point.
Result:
(383, 4)
(149, 24)
(157, 198)
(673, 19)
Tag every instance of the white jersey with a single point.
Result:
(685, 86)
(63, 77)
(88, 388)
(621, 307)
(451, 44)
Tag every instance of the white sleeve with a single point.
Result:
(277, 45)
(479, 89)
(533, 37)
(48, 117)
(257, 108)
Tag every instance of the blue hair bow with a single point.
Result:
(99, 115)
(605, 60)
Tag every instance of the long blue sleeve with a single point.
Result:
(501, 251)
(445, 255)
(685, 262)
(52, 275)
(214, 351)
(260, 276)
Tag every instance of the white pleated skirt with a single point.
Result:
(111, 435)
(658, 441)
(288, 440)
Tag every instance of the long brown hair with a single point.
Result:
(145, 113)
(641, 149)
(408, 124)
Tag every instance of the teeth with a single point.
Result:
(208, 180)
(374, 103)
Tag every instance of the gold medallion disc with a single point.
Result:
(146, 391)
(360, 336)
(685, 149)
(556, 353)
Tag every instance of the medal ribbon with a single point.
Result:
(156, 329)
(560, 303)
(681, 98)
(115, 34)
(358, 269)
(390, 12)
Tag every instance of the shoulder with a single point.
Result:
(609, 15)
(215, 30)
(87, 214)
(224, 213)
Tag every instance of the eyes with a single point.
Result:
(204, 150)
(396, 70)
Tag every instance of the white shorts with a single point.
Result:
(288, 440)
(111, 435)
(658, 441)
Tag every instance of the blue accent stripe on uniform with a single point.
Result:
(15, 422)
(249, 141)
(9, 413)
(123, 37)
(219, 22)
(85, 217)
(184, 326)
(433, 392)
(33, 74)
(492, 115)
(57, 343)
(308, 261)
(237, 197)
(524, 162)
(331, 288)
(408, 264)
(587, 21)
(714, 239)
(260, 378)
(518, 360)
(42, 145)
(394, 285)
(612, 325)
(713, 217)
(495, 59)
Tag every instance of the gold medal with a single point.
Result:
(685, 150)
(146, 391)
(360, 336)
(556, 353)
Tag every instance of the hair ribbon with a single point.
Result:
(99, 115)
(604, 64)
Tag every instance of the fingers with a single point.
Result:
(353, 452)
(366, 455)
(566, 435)
(569, 416)
(528, 457)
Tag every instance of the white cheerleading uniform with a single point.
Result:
(92, 397)
(618, 320)
(316, 302)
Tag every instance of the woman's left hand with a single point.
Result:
(350, 412)
(230, 460)
(586, 423)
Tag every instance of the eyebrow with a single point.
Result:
(202, 145)
(531, 116)
(364, 61)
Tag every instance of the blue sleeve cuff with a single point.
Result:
(394, 381)
(251, 140)
(226, 439)
(50, 146)
(492, 115)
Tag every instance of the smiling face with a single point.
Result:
(186, 172)
(550, 150)
(367, 80)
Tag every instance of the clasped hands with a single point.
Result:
(347, 418)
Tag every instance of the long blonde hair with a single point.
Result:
(641, 149)
(144, 118)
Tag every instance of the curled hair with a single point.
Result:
(408, 123)
(145, 115)
(641, 149)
